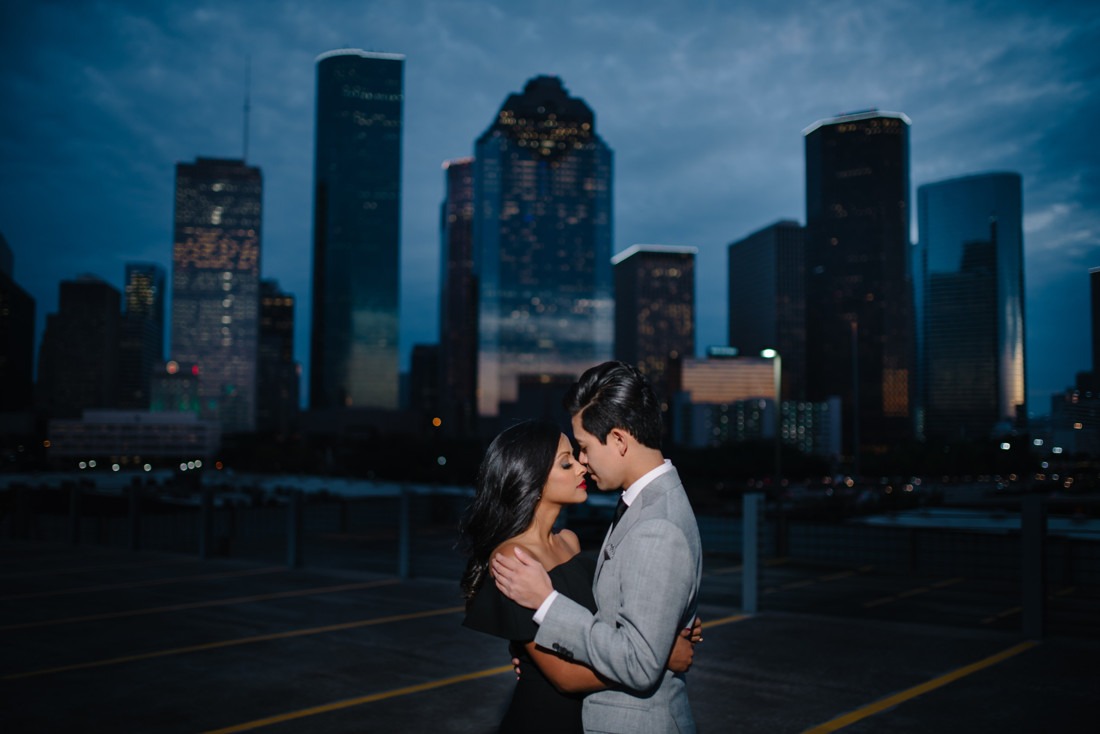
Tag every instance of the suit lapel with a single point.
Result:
(614, 536)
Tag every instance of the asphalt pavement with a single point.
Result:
(109, 640)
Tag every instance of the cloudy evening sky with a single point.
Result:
(703, 104)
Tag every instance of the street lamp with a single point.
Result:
(777, 364)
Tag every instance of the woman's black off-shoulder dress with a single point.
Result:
(536, 705)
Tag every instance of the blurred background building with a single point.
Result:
(216, 284)
(767, 299)
(356, 231)
(859, 313)
(655, 310)
(458, 302)
(970, 306)
(542, 242)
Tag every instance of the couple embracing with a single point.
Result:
(603, 646)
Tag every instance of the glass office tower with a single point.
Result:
(16, 337)
(78, 356)
(859, 309)
(458, 302)
(277, 372)
(356, 230)
(141, 334)
(216, 284)
(970, 299)
(767, 299)
(542, 240)
(655, 310)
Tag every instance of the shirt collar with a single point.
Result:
(636, 488)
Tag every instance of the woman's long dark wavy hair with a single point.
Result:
(509, 484)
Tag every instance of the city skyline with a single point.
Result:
(704, 107)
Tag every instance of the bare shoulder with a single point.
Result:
(570, 539)
(508, 549)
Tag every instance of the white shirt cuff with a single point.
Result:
(540, 613)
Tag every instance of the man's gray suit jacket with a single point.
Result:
(646, 588)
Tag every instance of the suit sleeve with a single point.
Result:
(631, 646)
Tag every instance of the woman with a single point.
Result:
(527, 476)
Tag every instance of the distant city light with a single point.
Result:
(442, 460)
(114, 467)
(92, 463)
(437, 422)
(148, 467)
(1038, 442)
(83, 465)
(1006, 446)
(172, 367)
(1056, 450)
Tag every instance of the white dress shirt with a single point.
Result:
(628, 497)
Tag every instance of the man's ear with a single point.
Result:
(618, 438)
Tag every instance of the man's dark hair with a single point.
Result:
(616, 395)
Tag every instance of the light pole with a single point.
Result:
(777, 371)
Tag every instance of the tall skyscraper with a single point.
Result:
(356, 230)
(970, 298)
(78, 357)
(1094, 305)
(216, 284)
(859, 312)
(767, 299)
(16, 338)
(141, 334)
(655, 309)
(278, 381)
(458, 302)
(542, 238)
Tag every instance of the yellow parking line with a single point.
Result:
(151, 582)
(85, 569)
(911, 592)
(236, 642)
(281, 718)
(1001, 615)
(850, 718)
(725, 620)
(348, 703)
(200, 604)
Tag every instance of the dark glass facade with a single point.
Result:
(542, 239)
(141, 334)
(277, 397)
(970, 299)
(216, 284)
(859, 301)
(767, 299)
(78, 357)
(16, 338)
(655, 310)
(1094, 304)
(458, 302)
(356, 231)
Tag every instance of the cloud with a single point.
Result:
(703, 103)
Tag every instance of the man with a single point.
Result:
(648, 570)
